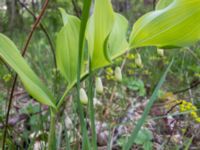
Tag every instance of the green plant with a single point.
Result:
(100, 40)
(145, 139)
(135, 85)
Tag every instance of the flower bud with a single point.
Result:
(99, 85)
(160, 52)
(68, 123)
(118, 74)
(138, 60)
(83, 96)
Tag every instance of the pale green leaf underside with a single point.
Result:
(31, 82)
(117, 43)
(67, 47)
(176, 25)
(98, 29)
(106, 34)
(64, 15)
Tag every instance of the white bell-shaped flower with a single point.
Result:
(118, 74)
(138, 60)
(99, 85)
(83, 97)
(160, 52)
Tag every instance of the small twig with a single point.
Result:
(111, 138)
(172, 108)
(44, 30)
(112, 94)
(35, 26)
(16, 76)
(8, 112)
(49, 41)
(172, 132)
(186, 89)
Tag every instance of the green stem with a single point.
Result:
(91, 109)
(84, 19)
(51, 138)
(60, 102)
(69, 87)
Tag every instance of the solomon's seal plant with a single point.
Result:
(174, 23)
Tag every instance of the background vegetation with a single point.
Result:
(172, 123)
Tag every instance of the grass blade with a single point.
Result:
(84, 20)
(153, 98)
(91, 108)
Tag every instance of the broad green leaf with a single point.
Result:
(64, 15)
(99, 27)
(11, 55)
(163, 3)
(144, 136)
(176, 25)
(117, 42)
(67, 47)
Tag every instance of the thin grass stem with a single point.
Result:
(152, 99)
(84, 19)
(91, 108)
